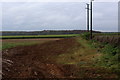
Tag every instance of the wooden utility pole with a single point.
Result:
(87, 17)
(91, 19)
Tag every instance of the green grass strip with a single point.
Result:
(38, 36)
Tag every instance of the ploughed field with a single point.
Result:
(53, 58)
(111, 39)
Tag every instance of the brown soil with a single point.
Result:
(37, 62)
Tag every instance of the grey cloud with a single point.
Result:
(106, 16)
(40, 16)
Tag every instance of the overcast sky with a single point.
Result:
(32, 16)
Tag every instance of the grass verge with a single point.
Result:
(110, 54)
(83, 54)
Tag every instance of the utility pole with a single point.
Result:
(87, 17)
(91, 19)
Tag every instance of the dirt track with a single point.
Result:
(33, 61)
(38, 61)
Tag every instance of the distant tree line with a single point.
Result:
(44, 32)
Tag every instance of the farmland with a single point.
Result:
(38, 36)
(61, 39)
(29, 39)
(72, 57)
(10, 43)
